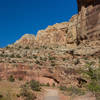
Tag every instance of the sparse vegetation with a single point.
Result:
(1, 96)
(1, 55)
(12, 56)
(53, 63)
(64, 59)
(20, 78)
(48, 84)
(37, 62)
(72, 90)
(63, 88)
(52, 58)
(35, 85)
(34, 56)
(27, 94)
(75, 90)
(94, 79)
(20, 47)
(53, 85)
(27, 47)
(11, 78)
(76, 61)
(18, 56)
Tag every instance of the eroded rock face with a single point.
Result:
(89, 20)
(26, 40)
(55, 34)
(60, 33)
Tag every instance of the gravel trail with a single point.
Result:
(52, 94)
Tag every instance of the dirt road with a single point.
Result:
(51, 94)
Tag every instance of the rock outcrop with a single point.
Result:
(89, 20)
(60, 33)
(26, 40)
(55, 34)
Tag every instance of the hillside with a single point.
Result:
(53, 56)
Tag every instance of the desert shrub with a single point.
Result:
(24, 91)
(27, 47)
(20, 47)
(6, 55)
(45, 59)
(72, 90)
(53, 64)
(48, 84)
(7, 47)
(94, 86)
(34, 56)
(63, 88)
(76, 61)
(35, 85)
(45, 47)
(1, 55)
(37, 62)
(64, 59)
(18, 56)
(12, 56)
(1, 96)
(18, 95)
(53, 85)
(28, 95)
(94, 83)
(20, 78)
(75, 90)
(11, 78)
(51, 58)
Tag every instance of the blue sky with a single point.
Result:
(18, 17)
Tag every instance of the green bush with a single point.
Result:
(2, 55)
(37, 62)
(18, 56)
(63, 88)
(64, 59)
(72, 90)
(94, 83)
(20, 47)
(28, 95)
(12, 56)
(20, 78)
(94, 86)
(75, 90)
(34, 56)
(11, 78)
(52, 58)
(7, 47)
(53, 64)
(27, 47)
(48, 84)
(35, 85)
(53, 85)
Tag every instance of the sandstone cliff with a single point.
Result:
(53, 52)
(60, 33)
(26, 40)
